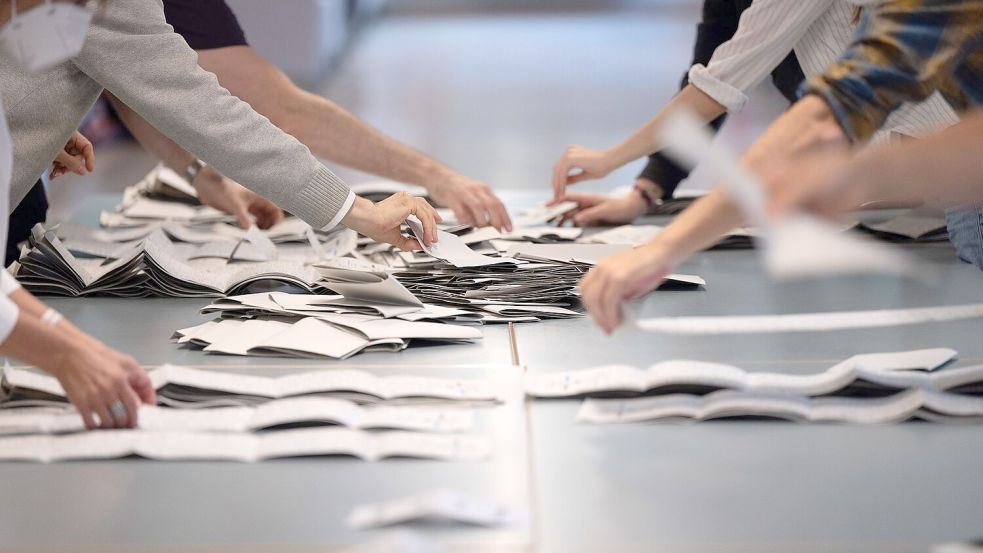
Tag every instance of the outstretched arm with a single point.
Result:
(336, 135)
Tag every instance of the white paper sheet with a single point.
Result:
(809, 322)
(242, 447)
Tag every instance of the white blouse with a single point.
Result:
(819, 31)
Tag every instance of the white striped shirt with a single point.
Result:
(819, 31)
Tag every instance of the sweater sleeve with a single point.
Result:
(767, 32)
(134, 53)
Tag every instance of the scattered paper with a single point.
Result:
(441, 505)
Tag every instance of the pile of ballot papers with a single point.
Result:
(864, 389)
(160, 241)
(226, 416)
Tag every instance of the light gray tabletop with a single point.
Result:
(722, 486)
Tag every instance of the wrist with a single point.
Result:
(360, 216)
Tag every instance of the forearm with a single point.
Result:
(38, 344)
(334, 134)
(154, 141)
(807, 126)
(946, 167)
(35, 309)
(644, 142)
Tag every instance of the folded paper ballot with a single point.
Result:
(306, 411)
(189, 384)
(636, 235)
(915, 403)
(542, 215)
(242, 447)
(809, 322)
(895, 370)
(439, 505)
(372, 287)
(452, 249)
(920, 225)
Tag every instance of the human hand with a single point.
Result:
(97, 379)
(473, 202)
(585, 164)
(77, 157)
(383, 221)
(621, 278)
(597, 209)
(231, 197)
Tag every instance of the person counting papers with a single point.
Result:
(131, 52)
(211, 28)
(105, 385)
(56, 58)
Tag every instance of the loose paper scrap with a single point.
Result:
(810, 322)
(443, 505)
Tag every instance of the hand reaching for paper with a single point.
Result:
(231, 197)
(621, 278)
(98, 380)
(579, 164)
(77, 157)
(383, 221)
(473, 202)
(598, 210)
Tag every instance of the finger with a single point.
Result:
(241, 213)
(499, 215)
(560, 173)
(132, 404)
(102, 409)
(465, 215)
(89, 155)
(429, 225)
(612, 306)
(86, 413)
(480, 210)
(141, 384)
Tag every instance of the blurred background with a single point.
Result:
(494, 88)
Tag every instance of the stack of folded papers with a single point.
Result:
(864, 389)
(915, 226)
(225, 416)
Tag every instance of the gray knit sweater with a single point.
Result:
(132, 52)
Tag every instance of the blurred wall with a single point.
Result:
(305, 38)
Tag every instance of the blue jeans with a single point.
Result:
(966, 233)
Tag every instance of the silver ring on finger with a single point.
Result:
(118, 410)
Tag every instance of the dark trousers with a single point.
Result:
(33, 209)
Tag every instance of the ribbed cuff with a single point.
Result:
(320, 202)
(341, 212)
(726, 95)
(8, 284)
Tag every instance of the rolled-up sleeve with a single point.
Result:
(903, 52)
(134, 53)
(767, 32)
